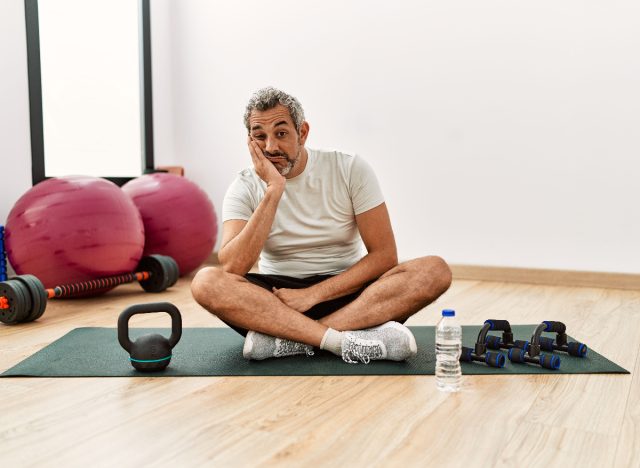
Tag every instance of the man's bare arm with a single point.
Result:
(242, 241)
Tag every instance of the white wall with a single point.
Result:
(15, 136)
(503, 132)
(15, 143)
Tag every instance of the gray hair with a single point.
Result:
(268, 98)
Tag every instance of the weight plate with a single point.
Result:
(168, 266)
(15, 294)
(33, 299)
(158, 268)
(27, 301)
(38, 296)
(175, 270)
(172, 269)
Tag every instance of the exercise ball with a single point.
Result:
(71, 229)
(179, 219)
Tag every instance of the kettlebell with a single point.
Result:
(151, 352)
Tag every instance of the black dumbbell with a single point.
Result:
(24, 298)
(548, 361)
(490, 358)
(151, 352)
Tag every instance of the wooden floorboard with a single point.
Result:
(523, 420)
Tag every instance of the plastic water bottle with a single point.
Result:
(448, 349)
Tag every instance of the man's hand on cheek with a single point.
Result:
(298, 299)
(264, 168)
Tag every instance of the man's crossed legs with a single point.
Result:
(362, 326)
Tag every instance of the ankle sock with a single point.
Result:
(332, 341)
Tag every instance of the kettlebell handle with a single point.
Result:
(152, 307)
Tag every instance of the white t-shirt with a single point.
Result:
(314, 231)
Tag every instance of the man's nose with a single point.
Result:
(271, 145)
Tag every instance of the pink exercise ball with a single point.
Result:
(71, 229)
(179, 219)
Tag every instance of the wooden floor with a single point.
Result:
(524, 420)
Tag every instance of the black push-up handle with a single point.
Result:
(491, 341)
(555, 327)
(493, 325)
(561, 344)
(490, 358)
(548, 361)
(572, 348)
(495, 342)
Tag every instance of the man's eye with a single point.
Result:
(282, 134)
(258, 137)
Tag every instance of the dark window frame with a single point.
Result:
(35, 93)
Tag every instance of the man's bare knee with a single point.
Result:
(432, 272)
(205, 285)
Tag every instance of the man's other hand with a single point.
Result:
(298, 299)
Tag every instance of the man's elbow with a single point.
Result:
(230, 264)
(392, 258)
(234, 267)
(388, 259)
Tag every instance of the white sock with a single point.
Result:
(332, 341)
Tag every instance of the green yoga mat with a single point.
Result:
(95, 352)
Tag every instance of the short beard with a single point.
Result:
(290, 162)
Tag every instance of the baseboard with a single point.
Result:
(589, 279)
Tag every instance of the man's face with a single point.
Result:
(276, 135)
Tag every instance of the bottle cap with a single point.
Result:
(448, 313)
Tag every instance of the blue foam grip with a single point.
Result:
(495, 359)
(516, 355)
(493, 342)
(521, 344)
(554, 327)
(466, 353)
(550, 361)
(577, 349)
(546, 343)
(502, 325)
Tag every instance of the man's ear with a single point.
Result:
(304, 132)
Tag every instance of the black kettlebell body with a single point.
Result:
(152, 352)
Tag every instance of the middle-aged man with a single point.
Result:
(306, 214)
